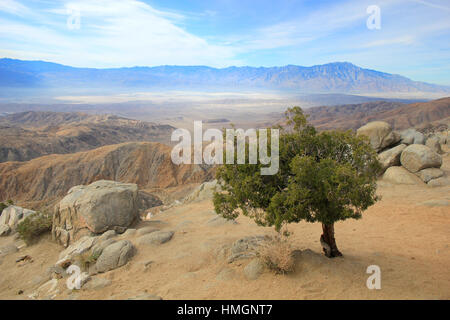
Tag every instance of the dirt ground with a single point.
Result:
(409, 241)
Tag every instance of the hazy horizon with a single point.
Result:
(113, 33)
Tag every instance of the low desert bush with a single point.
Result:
(2, 206)
(277, 255)
(34, 226)
(86, 260)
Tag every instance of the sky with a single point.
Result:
(407, 37)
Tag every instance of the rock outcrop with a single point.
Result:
(391, 157)
(400, 175)
(98, 207)
(429, 174)
(434, 144)
(11, 217)
(114, 256)
(380, 134)
(412, 136)
(416, 157)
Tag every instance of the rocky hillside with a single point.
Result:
(48, 178)
(28, 135)
(398, 115)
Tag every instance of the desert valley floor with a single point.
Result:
(406, 234)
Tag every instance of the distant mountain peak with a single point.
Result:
(333, 77)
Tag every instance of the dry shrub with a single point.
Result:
(86, 260)
(34, 226)
(277, 255)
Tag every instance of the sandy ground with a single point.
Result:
(409, 241)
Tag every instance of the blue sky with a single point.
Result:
(414, 38)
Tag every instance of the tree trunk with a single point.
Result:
(328, 242)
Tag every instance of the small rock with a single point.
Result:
(147, 265)
(433, 144)
(146, 230)
(430, 174)
(24, 260)
(254, 269)
(56, 272)
(219, 221)
(436, 203)
(4, 230)
(120, 229)
(107, 235)
(114, 256)
(99, 247)
(8, 249)
(129, 233)
(97, 283)
(47, 290)
(155, 238)
(439, 182)
(226, 274)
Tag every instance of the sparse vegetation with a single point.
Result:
(87, 259)
(277, 255)
(323, 177)
(34, 226)
(2, 207)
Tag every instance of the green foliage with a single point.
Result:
(33, 226)
(2, 207)
(323, 177)
(87, 259)
(10, 202)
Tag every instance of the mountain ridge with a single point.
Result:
(331, 77)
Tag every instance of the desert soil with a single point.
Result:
(407, 238)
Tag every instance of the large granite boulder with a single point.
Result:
(96, 208)
(412, 136)
(416, 157)
(399, 175)
(380, 134)
(391, 157)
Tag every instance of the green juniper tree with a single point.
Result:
(323, 177)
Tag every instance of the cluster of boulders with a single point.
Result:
(408, 157)
(11, 217)
(98, 207)
(93, 223)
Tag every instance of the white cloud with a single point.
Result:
(112, 33)
(404, 40)
(13, 7)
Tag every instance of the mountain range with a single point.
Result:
(337, 77)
